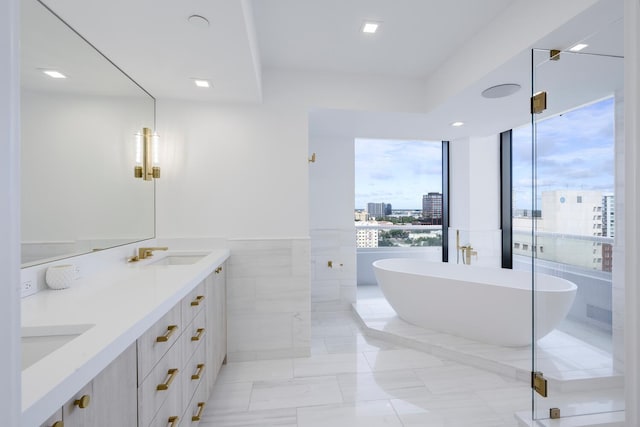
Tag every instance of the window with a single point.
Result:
(399, 183)
(572, 198)
(516, 245)
(525, 247)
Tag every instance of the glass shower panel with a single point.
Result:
(571, 234)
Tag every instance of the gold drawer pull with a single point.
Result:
(172, 375)
(170, 330)
(173, 421)
(196, 376)
(58, 424)
(197, 301)
(196, 337)
(83, 402)
(197, 416)
(218, 270)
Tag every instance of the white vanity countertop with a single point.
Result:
(121, 303)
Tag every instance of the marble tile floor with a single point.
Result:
(568, 362)
(353, 380)
(581, 376)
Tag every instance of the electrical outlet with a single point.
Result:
(28, 283)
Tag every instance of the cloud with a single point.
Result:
(573, 151)
(400, 171)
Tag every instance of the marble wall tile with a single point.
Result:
(333, 288)
(268, 299)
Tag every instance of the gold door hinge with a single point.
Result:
(539, 383)
(538, 102)
(554, 55)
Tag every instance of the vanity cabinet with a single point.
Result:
(216, 323)
(108, 400)
(166, 377)
(176, 379)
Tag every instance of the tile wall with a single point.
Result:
(268, 294)
(333, 288)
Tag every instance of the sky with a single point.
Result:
(574, 151)
(396, 172)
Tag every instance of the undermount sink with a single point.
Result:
(177, 259)
(40, 341)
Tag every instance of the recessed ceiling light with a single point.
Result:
(578, 47)
(457, 124)
(500, 91)
(370, 27)
(54, 74)
(202, 83)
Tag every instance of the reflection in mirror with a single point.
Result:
(78, 189)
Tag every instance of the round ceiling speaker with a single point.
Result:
(198, 21)
(500, 91)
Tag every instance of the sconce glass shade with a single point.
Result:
(147, 158)
(137, 170)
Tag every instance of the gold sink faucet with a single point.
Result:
(144, 253)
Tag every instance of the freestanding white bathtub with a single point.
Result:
(489, 305)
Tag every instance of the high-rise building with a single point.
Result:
(367, 237)
(376, 210)
(568, 212)
(608, 230)
(387, 209)
(608, 215)
(432, 207)
(361, 215)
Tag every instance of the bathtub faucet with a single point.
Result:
(467, 253)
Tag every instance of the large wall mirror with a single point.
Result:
(79, 193)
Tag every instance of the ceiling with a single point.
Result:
(153, 41)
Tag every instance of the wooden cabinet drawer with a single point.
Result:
(194, 335)
(156, 341)
(195, 408)
(163, 381)
(194, 370)
(169, 414)
(193, 303)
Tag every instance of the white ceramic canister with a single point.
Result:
(60, 276)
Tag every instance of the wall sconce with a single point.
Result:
(147, 155)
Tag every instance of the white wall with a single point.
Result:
(10, 406)
(632, 220)
(474, 198)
